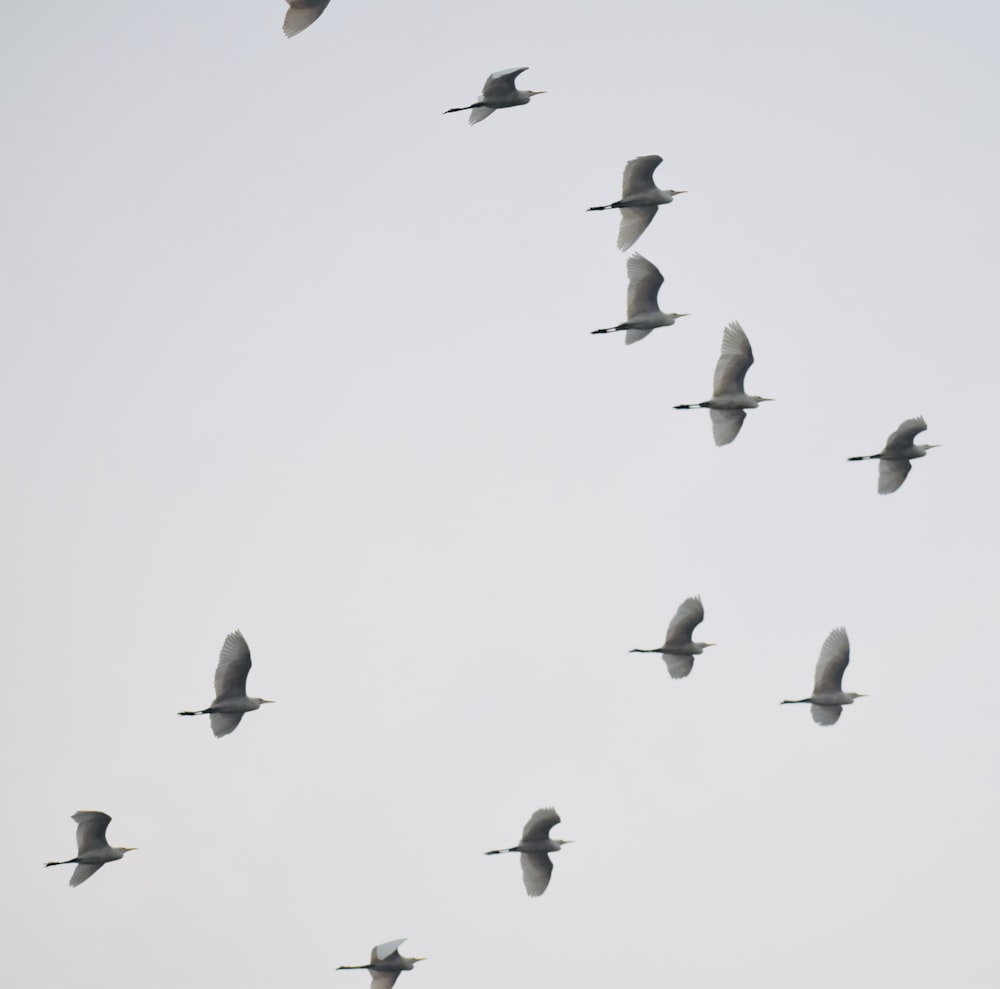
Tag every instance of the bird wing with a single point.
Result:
(678, 666)
(384, 980)
(302, 13)
(833, 660)
(224, 722)
(501, 84)
(234, 665)
(536, 870)
(539, 824)
(825, 714)
(891, 474)
(635, 219)
(735, 359)
(644, 281)
(902, 439)
(83, 872)
(381, 952)
(631, 336)
(726, 424)
(91, 827)
(689, 615)
(479, 113)
(638, 175)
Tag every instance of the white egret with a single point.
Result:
(640, 199)
(302, 13)
(536, 866)
(498, 91)
(92, 846)
(386, 964)
(231, 701)
(643, 311)
(828, 698)
(894, 460)
(678, 650)
(729, 398)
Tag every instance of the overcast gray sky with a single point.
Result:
(287, 350)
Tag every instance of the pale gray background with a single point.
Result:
(287, 350)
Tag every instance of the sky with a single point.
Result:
(287, 350)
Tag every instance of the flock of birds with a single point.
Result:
(638, 205)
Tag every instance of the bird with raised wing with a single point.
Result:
(92, 848)
(678, 650)
(498, 92)
(302, 13)
(535, 845)
(640, 199)
(386, 964)
(894, 460)
(729, 398)
(828, 697)
(231, 701)
(643, 313)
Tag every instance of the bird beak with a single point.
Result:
(537, 92)
(265, 702)
(933, 446)
(679, 192)
(677, 315)
(765, 399)
(418, 959)
(131, 849)
(705, 645)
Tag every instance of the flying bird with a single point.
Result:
(93, 849)
(536, 866)
(643, 312)
(231, 701)
(498, 91)
(729, 398)
(894, 460)
(678, 650)
(386, 964)
(827, 697)
(640, 199)
(302, 13)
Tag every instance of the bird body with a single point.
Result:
(640, 199)
(894, 460)
(678, 649)
(93, 849)
(643, 314)
(386, 964)
(729, 398)
(535, 846)
(302, 13)
(498, 92)
(828, 696)
(231, 701)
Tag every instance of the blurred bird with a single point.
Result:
(231, 701)
(498, 92)
(386, 964)
(302, 13)
(728, 397)
(536, 866)
(640, 199)
(678, 650)
(894, 460)
(643, 312)
(827, 697)
(93, 849)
